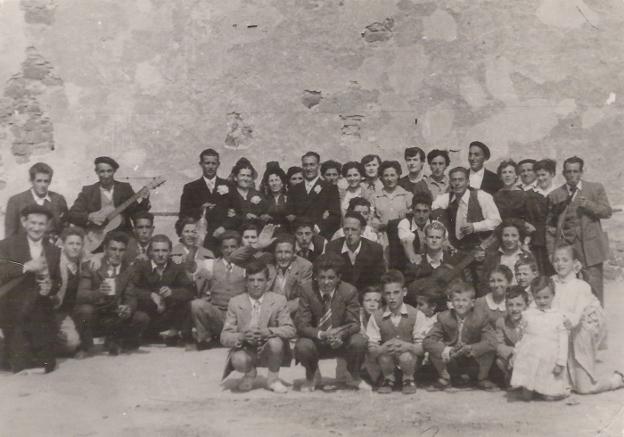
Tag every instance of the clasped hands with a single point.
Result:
(457, 351)
(395, 346)
(159, 298)
(332, 336)
(255, 336)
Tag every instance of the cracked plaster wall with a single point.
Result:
(152, 82)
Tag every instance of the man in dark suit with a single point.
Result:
(573, 218)
(480, 177)
(315, 198)
(209, 195)
(29, 276)
(164, 291)
(328, 323)
(308, 245)
(39, 194)
(105, 304)
(104, 193)
(364, 262)
(142, 231)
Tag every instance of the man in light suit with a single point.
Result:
(39, 194)
(315, 198)
(290, 273)
(257, 327)
(574, 213)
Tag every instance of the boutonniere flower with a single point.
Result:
(318, 189)
(255, 200)
(223, 190)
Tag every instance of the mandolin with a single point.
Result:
(113, 218)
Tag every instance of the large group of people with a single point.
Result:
(441, 278)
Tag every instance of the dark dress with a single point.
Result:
(512, 204)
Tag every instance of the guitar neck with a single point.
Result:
(124, 205)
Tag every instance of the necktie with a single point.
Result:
(255, 314)
(571, 192)
(452, 215)
(325, 321)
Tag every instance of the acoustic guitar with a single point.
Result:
(441, 277)
(112, 217)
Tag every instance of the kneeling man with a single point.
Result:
(257, 327)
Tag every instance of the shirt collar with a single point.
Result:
(437, 260)
(299, 248)
(210, 182)
(110, 190)
(40, 199)
(155, 266)
(71, 265)
(558, 280)
(530, 186)
(414, 226)
(480, 172)
(345, 248)
(387, 313)
(579, 187)
(259, 300)
(516, 253)
(489, 300)
(312, 182)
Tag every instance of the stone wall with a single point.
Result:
(152, 82)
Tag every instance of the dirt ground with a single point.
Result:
(170, 392)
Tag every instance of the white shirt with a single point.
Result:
(40, 200)
(108, 193)
(579, 187)
(281, 276)
(435, 262)
(406, 230)
(418, 331)
(491, 215)
(35, 248)
(544, 192)
(476, 179)
(352, 254)
(510, 261)
(489, 300)
(528, 187)
(155, 267)
(310, 184)
(210, 183)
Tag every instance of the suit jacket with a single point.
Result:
(591, 242)
(133, 250)
(298, 276)
(507, 336)
(491, 183)
(255, 203)
(89, 200)
(22, 296)
(323, 197)
(12, 219)
(345, 311)
(274, 315)
(144, 280)
(477, 332)
(196, 193)
(369, 263)
(90, 281)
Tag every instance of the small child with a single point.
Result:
(526, 270)
(428, 304)
(539, 363)
(462, 340)
(509, 329)
(493, 303)
(371, 302)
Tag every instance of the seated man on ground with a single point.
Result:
(104, 305)
(257, 327)
(509, 330)
(395, 335)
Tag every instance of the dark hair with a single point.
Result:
(355, 215)
(68, 232)
(392, 277)
(375, 288)
(181, 223)
(503, 270)
(511, 222)
(353, 164)
(329, 261)
(208, 152)
(414, 151)
(143, 215)
(550, 165)
(527, 161)
(517, 291)
(459, 287)
(249, 225)
(117, 236)
(256, 266)
(293, 171)
(230, 235)
(303, 222)
(574, 160)
(483, 147)
(435, 153)
(331, 164)
(159, 238)
(311, 154)
(368, 158)
(506, 163)
(34, 208)
(460, 169)
(358, 201)
(243, 164)
(422, 197)
(542, 282)
(390, 164)
(273, 168)
(40, 167)
(527, 260)
(285, 238)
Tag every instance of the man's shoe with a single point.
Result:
(277, 387)
(308, 386)
(207, 345)
(358, 384)
(487, 385)
(441, 384)
(113, 348)
(246, 383)
(386, 387)
(409, 387)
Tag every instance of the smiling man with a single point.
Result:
(480, 177)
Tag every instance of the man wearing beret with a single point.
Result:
(480, 177)
(106, 192)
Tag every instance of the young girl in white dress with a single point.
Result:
(539, 363)
(585, 320)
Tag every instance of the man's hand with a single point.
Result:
(96, 218)
(96, 261)
(467, 229)
(291, 217)
(160, 304)
(218, 232)
(466, 350)
(208, 205)
(325, 215)
(164, 291)
(231, 213)
(266, 218)
(143, 194)
(37, 265)
(529, 228)
(124, 311)
(415, 258)
(567, 323)
(250, 337)
(177, 259)
(265, 239)
(557, 369)
(45, 286)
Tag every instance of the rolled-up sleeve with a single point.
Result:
(490, 212)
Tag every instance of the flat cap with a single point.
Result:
(106, 160)
(36, 209)
(480, 145)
